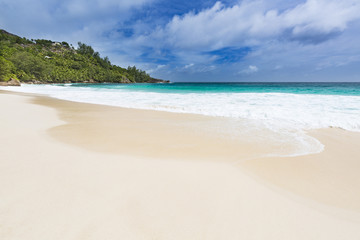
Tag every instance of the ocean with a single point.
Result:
(287, 108)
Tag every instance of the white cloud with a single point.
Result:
(83, 20)
(86, 7)
(156, 69)
(249, 70)
(253, 68)
(249, 22)
(196, 68)
(188, 65)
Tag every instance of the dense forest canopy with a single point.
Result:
(45, 61)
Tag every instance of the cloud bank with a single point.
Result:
(250, 22)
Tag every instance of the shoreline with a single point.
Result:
(234, 132)
(186, 135)
(65, 159)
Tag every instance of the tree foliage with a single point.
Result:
(5, 69)
(138, 75)
(57, 62)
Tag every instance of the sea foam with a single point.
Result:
(286, 113)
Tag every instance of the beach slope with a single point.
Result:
(56, 185)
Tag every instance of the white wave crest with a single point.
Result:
(281, 112)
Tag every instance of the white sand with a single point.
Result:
(53, 190)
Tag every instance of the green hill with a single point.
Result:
(45, 61)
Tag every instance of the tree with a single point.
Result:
(5, 69)
(85, 49)
(65, 44)
(31, 65)
(43, 42)
(138, 75)
(45, 61)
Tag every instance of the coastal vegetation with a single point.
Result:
(45, 61)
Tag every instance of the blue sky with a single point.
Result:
(259, 40)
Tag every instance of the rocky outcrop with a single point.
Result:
(11, 82)
(34, 82)
(125, 80)
(155, 80)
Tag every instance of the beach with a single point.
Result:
(73, 170)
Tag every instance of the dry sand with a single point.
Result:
(82, 171)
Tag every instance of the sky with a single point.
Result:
(203, 40)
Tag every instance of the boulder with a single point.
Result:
(34, 82)
(11, 82)
(125, 80)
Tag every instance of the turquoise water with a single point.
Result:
(348, 89)
(289, 106)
